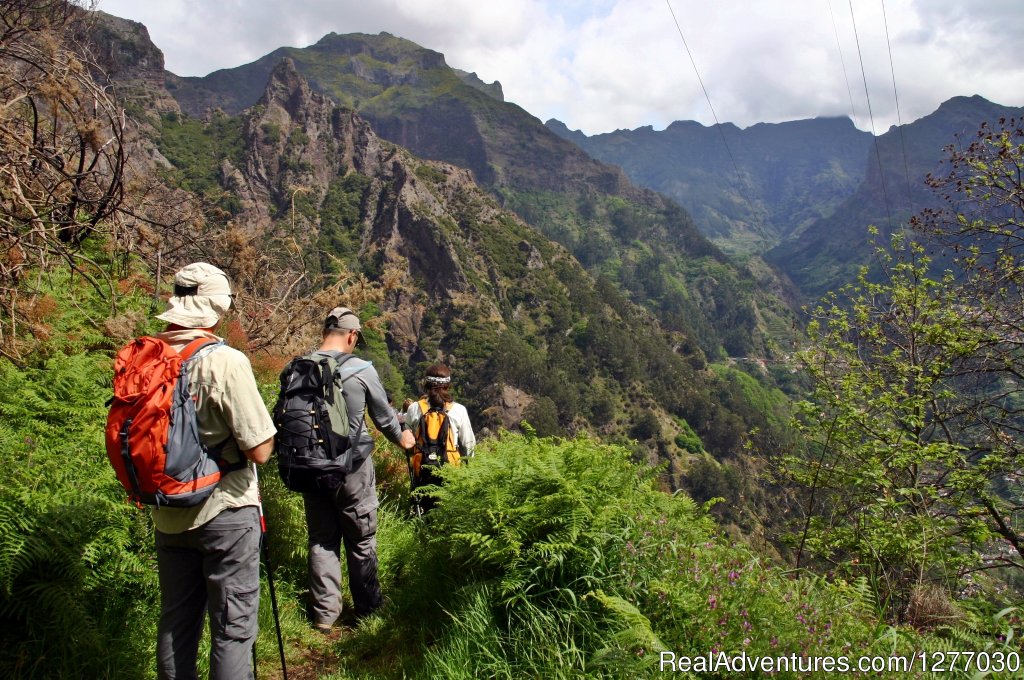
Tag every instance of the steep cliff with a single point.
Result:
(127, 56)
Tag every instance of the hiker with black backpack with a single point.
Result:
(324, 451)
(182, 446)
(443, 433)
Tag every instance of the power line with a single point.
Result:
(871, 116)
(839, 48)
(899, 118)
(721, 130)
(692, 61)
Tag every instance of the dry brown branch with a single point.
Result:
(62, 157)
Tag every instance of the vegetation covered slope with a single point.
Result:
(801, 193)
(747, 189)
(829, 252)
(644, 243)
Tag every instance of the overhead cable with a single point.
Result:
(842, 61)
(721, 130)
(899, 118)
(871, 116)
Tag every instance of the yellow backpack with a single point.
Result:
(435, 440)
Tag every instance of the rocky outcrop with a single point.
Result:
(299, 142)
(492, 90)
(125, 53)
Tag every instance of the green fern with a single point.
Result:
(76, 568)
(634, 638)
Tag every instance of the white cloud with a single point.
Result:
(599, 65)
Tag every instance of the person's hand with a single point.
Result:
(408, 440)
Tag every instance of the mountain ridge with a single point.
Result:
(829, 251)
(645, 242)
(799, 194)
(747, 188)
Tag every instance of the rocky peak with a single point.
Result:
(298, 139)
(289, 91)
(492, 90)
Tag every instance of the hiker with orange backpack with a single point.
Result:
(444, 435)
(185, 418)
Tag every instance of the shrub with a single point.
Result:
(551, 558)
(687, 439)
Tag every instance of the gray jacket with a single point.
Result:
(364, 392)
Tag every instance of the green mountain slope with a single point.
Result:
(828, 253)
(648, 245)
(746, 189)
(801, 193)
(530, 333)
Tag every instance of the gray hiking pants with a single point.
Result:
(347, 513)
(214, 568)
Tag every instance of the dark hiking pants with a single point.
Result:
(346, 513)
(423, 502)
(214, 568)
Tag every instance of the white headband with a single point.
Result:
(434, 380)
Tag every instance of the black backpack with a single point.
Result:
(313, 442)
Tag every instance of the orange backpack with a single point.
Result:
(152, 434)
(435, 441)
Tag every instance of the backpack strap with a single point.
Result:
(327, 379)
(193, 348)
(225, 467)
(340, 358)
(188, 353)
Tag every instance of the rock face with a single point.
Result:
(125, 53)
(298, 140)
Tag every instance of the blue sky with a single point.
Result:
(601, 65)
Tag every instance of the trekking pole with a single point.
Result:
(265, 552)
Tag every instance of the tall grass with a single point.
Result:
(544, 558)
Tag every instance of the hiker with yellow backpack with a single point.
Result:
(444, 435)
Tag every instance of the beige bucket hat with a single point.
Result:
(202, 295)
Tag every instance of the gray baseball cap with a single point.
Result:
(343, 319)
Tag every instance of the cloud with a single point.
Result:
(599, 65)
